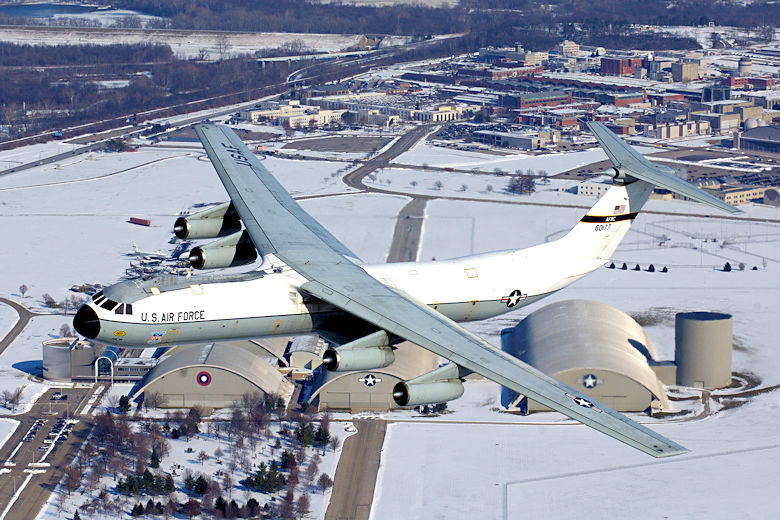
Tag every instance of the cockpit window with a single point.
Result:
(120, 309)
(97, 295)
(98, 301)
(109, 304)
(128, 308)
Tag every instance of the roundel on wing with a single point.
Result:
(203, 378)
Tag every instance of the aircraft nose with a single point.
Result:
(86, 322)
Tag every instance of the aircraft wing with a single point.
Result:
(277, 224)
(249, 183)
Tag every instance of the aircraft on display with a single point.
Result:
(148, 255)
(310, 282)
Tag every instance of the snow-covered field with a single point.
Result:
(553, 163)
(7, 428)
(565, 471)
(8, 319)
(187, 44)
(21, 361)
(78, 211)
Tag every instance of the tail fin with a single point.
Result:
(630, 165)
(599, 232)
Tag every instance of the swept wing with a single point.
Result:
(278, 225)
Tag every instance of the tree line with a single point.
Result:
(12, 54)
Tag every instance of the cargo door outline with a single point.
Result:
(471, 309)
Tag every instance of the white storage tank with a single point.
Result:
(703, 342)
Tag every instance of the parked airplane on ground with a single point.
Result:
(148, 255)
(310, 282)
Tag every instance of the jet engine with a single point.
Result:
(367, 353)
(230, 251)
(219, 221)
(437, 386)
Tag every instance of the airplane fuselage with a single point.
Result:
(270, 302)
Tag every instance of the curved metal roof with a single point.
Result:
(574, 334)
(225, 356)
(110, 353)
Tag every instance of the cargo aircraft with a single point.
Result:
(310, 282)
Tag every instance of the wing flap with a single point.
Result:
(432, 331)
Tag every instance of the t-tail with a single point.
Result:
(599, 232)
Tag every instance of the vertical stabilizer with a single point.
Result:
(599, 232)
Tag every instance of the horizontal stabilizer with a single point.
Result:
(634, 164)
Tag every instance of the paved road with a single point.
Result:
(355, 178)
(408, 230)
(25, 315)
(37, 491)
(353, 490)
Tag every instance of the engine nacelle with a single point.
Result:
(233, 250)
(366, 353)
(341, 360)
(405, 394)
(437, 386)
(219, 221)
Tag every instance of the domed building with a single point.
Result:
(594, 348)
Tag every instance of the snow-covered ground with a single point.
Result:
(188, 44)
(8, 319)
(427, 154)
(83, 205)
(21, 362)
(565, 471)
(7, 428)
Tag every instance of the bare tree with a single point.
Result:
(303, 506)
(227, 484)
(438, 185)
(311, 471)
(153, 400)
(23, 289)
(324, 483)
(12, 398)
(65, 330)
(72, 479)
(202, 457)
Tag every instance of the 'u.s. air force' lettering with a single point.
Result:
(169, 317)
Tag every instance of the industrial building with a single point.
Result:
(73, 359)
(292, 113)
(604, 353)
(759, 139)
(532, 141)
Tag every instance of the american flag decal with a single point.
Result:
(619, 209)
